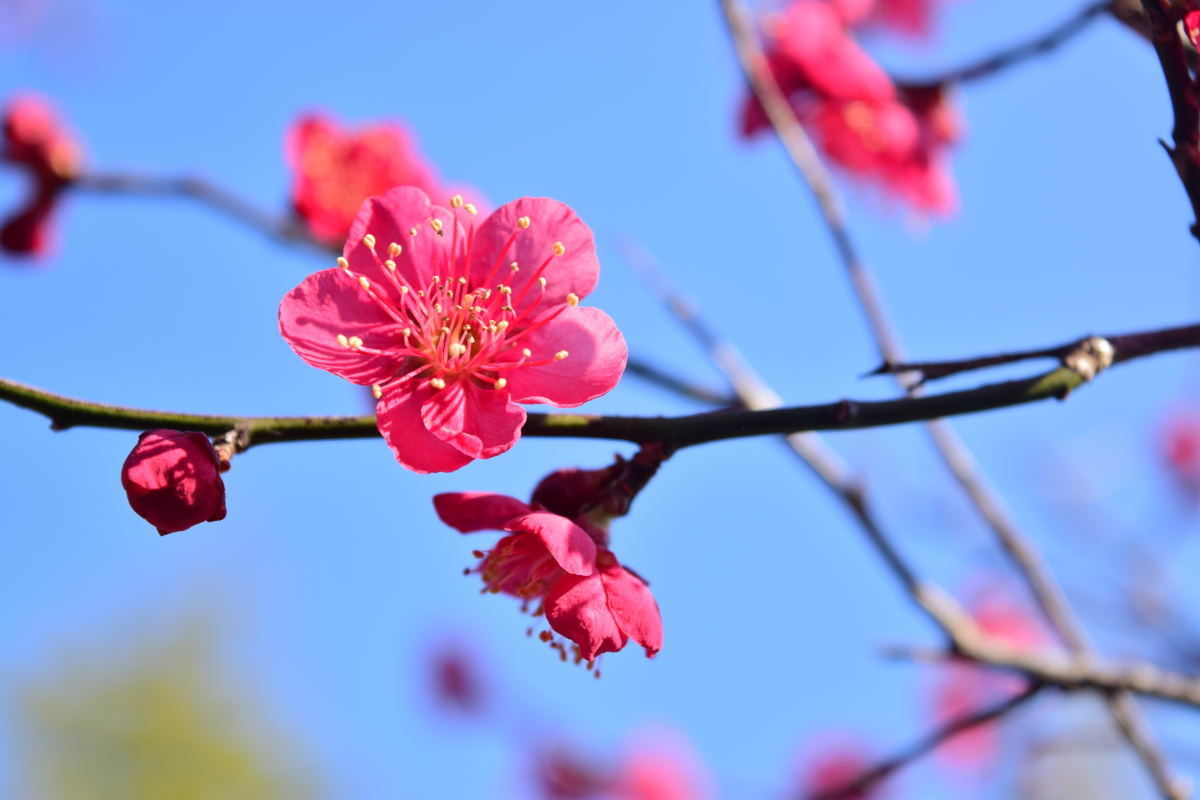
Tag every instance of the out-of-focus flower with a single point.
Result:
(173, 480)
(1191, 24)
(585, 594)
(647, 771)
(895, 138)
(910, 17)
(963, 689)
(835, 764)
(454, 322)
(1181, 451)
(456, 682)
(337, 168)
(36, 141)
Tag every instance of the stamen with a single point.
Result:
(369, 241)
(457, 349)
(471, 209)
(354, 341)
(412, 231)
(436, 224)
(456, 201)
(501, 383)
(394, 249)
(558, 248)
(525, 351)
(437, 383)
(515, 267)
(572, 299)
(542, 282)
(560, 355)
(391, 265)
(343, 263)
(523, 222)
(342, 340)
(502, 324)
(363, 282)
(376, 391)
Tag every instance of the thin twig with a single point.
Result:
(858, 787)
(954, 454)
(652, 373)
(1016, 54)
(282, 229)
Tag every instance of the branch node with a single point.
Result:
(1093, 355)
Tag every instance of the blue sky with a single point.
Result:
(332, 569)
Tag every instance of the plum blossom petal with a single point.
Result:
(399, 419)
(632, 606)
(595, 360)
(468, 512)
(317, 317)
(505, 238)
(566, 542)
(479, 423)
(403, 215)
(577, 608)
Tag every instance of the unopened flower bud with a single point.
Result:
(173, 480)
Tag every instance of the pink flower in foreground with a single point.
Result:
(585, 594)
(336, 169)
(454, 322)
(36, 141)
(963, 689)
(173, 480)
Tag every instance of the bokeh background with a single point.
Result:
(293, 640)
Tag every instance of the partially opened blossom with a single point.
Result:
(894, 138)
(337, 168)
(37, 142)
(454, 322)
(585, 594)
(173, 480)
(1191, 24)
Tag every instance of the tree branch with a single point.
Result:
(1016, 54)
(858, 787)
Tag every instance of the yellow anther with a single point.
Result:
(457, 349)
(501, 383)
(420, 292)
(343, 263)
(502, 324)
(369, 241)
(542, 282)
(436, 224)
(394, 249)
(376, 391)
(437, 307)
(342, 340)
(456, 201)
(463, 281)
(363, 282)
(354, 341)
(406, 332)
(471, 209)
(436, 278)
(412, 231)
(572, 299)
(523, 222)
(560, 355)
(502, 289)
(391, 265)
(526, 352)
(437, 383)
(514, 266)
(558, 248)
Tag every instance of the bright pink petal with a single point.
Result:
(633, 607)
(577, 608)
(399, 419)
(392, 217)
(480, 423)
(567, 543)
(330, 303)
(467, 512)
(811, 34)
(596, 355)
(499, 241)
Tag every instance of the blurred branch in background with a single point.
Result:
(954, 454)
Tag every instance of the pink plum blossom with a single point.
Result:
(337, 168)
(454, 322)
(585, 594)
(35, 140)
